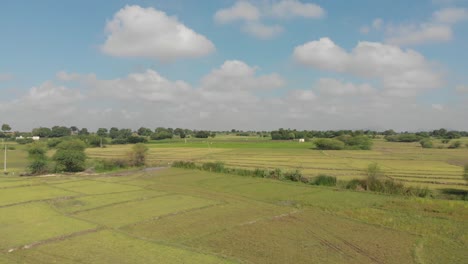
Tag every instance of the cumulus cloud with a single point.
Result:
(401, 72)
(240, 11)
(236, 75)
(294, 8)
(148, 86)
(261, 31)
(437, 29)
(146, 32)
(251, 13)
(328, 86)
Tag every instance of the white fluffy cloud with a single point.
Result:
(401, 72)
(437, 29)
(250, 13)
(148, 86)
(146, 32)
(236, 75)
(240, 11)
(262, 31)
(295, 8)
(335, 87)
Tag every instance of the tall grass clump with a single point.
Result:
(216, 166)
(426, 143)
(111, 164)
(294, 176)
(324, 180)
(184, 164)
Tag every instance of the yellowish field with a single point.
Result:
(408, 162)
(189, 216)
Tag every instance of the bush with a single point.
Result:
(111, 164)
(418, 191)
(136, 139)
(213, 166)
(356, 142)
(70, 156)
(329, 144)
(455, 145)
(138, 154)
(294, 176)
(426, 143)
(355, 184)
(324, 180)
(260, 173)
(53, 142)
(445, 141)
(24, 141)
(275, 174)
(37, 156)
(184, 164)
(403, 138)
(119, 141)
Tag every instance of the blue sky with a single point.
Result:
(228, 64)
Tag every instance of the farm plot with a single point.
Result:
(182, 216)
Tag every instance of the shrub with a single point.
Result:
(329, 144)
(111, 164)
(53, 142)
(445, 141)
(70, 156)
(260, 173)
(324, 180)
(24, 141)
(138, 154)
(37, 156)
(184, 164)
(294, 176)
(213, 166)
(356, 142)
(418, 191)
(136, 139)
(119, 141)
(275, 174)
(355, 184)
(455, 145)
(373, 174)
(426, 143)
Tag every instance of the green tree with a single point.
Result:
(113, 132)
(70, 156)
(102, 132)
(41, 132)
(138, 154)
(83, 132)
(6, 128)
(38, 158)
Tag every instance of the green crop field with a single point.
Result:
(189, 216)
(170, 215)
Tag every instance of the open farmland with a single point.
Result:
(435, 168)
(186, 216)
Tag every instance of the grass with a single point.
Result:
(191, 216)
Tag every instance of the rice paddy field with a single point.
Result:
(186, 216)
(438, 169)
(169, 215)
